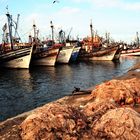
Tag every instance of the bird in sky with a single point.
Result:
(55, 1)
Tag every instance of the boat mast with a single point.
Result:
(137, 39)
(17, 25)
(34, 28)
(5, 34)
(9, 18)
(68, 37)
(36, 32)
(107, 35)
(61, 36)
(92, 34)
(52, 27)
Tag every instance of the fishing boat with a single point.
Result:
(19, 57)
(65, 53)
(13, 53)
(133, 49)
(105, 54)
(131, 52)
(66, 49)
(75, 51)
(98, 51)
(94, 49)
(45, 52)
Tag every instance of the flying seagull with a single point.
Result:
(55, 1)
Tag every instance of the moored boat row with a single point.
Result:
(131, 50)
(16, 54)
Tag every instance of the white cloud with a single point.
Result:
(107, 3)
(69, 10)
(112, 4)
(117, 4)
(64, 17)
(132, 6)
(81, 1)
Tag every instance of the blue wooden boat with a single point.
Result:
(75, 52)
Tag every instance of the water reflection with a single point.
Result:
(14, 85)
(20, 79)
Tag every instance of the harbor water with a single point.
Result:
(23, 90)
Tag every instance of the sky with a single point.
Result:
(120, 18)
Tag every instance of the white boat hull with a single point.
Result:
(65, 54)
(17, 59)
(22, 62)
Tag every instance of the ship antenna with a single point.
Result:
(52, 28)
(7, 9)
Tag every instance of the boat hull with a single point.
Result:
(107, 54)
(75, 54)
(117, 54)
(19, 58)
(134, 52)
(45, 58)
(65, 54)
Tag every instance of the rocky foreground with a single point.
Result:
(110, 111)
